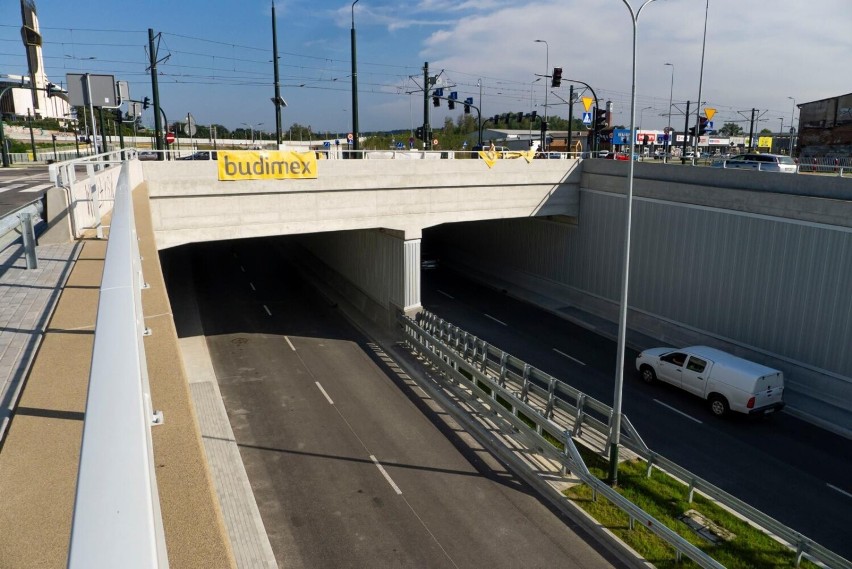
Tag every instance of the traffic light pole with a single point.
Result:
(158, 126)
(595, 133)
(427, 141)
(685, 134)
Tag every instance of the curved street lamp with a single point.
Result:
(615, 427)
(354, 85)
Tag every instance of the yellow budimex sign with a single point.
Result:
(266, 165)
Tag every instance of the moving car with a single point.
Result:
(762, 162)
(727, 382)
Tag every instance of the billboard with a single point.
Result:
(102, 90)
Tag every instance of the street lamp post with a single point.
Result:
(615, 432)
(546, 71)
(792, 129)
(780, 133)
(669, 127)
(354, 85)
(641, 115)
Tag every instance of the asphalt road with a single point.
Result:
(21, 185)
(350, 467)
(785, 467)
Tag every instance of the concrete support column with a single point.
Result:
(411, 276)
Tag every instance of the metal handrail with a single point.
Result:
(117, 520)
(588, 413)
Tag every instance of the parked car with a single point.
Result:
(147, 155)
(762, 162)
(201, 155)
(727, 382)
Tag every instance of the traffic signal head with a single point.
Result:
(119, 116)
(600, 119)
(436, 102)
(451, 103)
(520, 116)
(418, 133)
(702, 125)
(51, 89)
(533, 115)
(467, 103)
(146, 102)
(556, 78)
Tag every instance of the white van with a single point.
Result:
(727, 382)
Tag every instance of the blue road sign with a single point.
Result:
(587, 118)
(326, 144)
(710, 125)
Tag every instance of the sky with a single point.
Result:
(216, 56)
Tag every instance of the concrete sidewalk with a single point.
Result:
(40, 452)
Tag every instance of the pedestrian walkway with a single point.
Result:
(27, 300)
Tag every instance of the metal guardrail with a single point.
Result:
(565, 413)
(117, 520)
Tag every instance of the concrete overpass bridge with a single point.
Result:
(549, 231)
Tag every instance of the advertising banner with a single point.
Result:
(266, 165)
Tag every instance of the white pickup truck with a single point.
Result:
(727, 382)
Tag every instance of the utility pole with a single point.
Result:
(277, 101)
(685, 134)
(354, 86)
(751, 131)
(570, 116)
(427, 141)
(158, 126)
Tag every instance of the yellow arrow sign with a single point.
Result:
(587, 103)
(709, 113)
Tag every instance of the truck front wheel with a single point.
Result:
(718, 405)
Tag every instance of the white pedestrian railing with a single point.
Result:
(117, 520)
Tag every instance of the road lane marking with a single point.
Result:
(11, 187)
(386, 475)
(289, 343)
(573, 359)
(266, 308)
(836, 489)
(678, 411)
(495, 320)
(330, 402)
(251, 284)
(242, 268)
(447, 295)
(37, 188)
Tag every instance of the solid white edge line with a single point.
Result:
(386, 475)
(569, 357)
(679, 412)
(836, 489)
(252, 286)
(330, 402)
(266, 308)
(447, 295)
(289, 343)
(494, 319)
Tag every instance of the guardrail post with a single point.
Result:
(578, 418)
(28, 236)
(504, 358)
(564, 469)
(551, 394)
(96, 210)
(525, 390)
(484, 367)
(691, 490)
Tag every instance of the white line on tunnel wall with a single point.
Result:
(266, 308)
(836, 489)
(252, 286)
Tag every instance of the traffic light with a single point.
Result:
(119, 116)
(451, 104)
(418, 133)
(436, 97)
(702, 125)
(467, 103)
(496, 120)
(146, 102)
(51, 89)
(533, 115)
(600, 119)
(556, 78)
(521, 117)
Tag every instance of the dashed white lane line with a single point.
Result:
(386, 475)
(37, 188)
(289, 343)
(252, 286)
(242, 268)
(679, 412)
(572, 358)
(836, 489)
(330, 402)
(451, 297)
(266, 308)
(495, 320)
